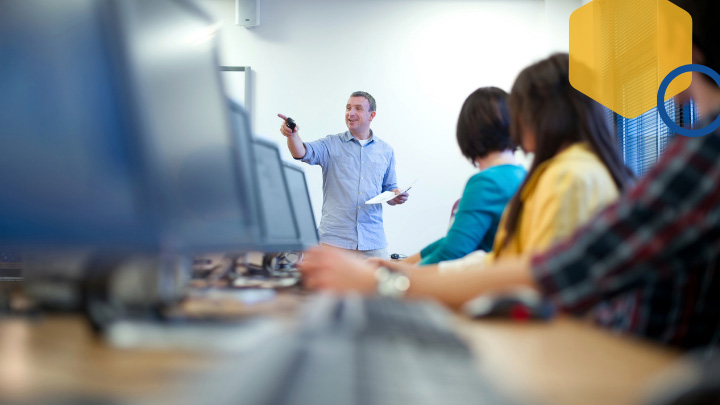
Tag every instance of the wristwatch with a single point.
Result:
(391, 283)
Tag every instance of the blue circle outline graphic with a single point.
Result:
(661, 100)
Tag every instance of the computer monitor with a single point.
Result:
(280, 226)
(302, 204)
(246, 166)
(115, 131)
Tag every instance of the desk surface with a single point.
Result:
(563, 362)
(567, 361)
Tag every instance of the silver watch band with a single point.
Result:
(391, 283)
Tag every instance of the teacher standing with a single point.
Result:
(356, 166)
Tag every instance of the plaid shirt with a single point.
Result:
(648, 264)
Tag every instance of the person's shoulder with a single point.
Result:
(499, 175)
(584, 170)
(577, 160)
(576, 154)
(581, 162)
(382, 147)
(380, 141)
(563, 170)
(484, 182)
(483, 190)
(339, 136)
(508, 170)
(332, 138)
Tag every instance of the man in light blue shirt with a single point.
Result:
(356, 166)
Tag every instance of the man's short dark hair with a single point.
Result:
(706, 35)
(367, 96)
(484, 123)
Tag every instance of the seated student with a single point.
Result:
(647, 265)
(483, 137)
(576, 170)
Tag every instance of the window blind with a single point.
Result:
(641, 140)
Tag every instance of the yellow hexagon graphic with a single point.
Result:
(621, 50)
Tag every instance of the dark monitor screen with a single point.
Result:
(180, 101)
(115, 129)
(302, 205)
(69, 168)
(247, 168)
(280, 227)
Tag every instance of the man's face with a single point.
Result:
(358, 115)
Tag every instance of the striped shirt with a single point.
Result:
(352, 174)
(648, 264)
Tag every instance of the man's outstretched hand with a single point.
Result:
(285, 130)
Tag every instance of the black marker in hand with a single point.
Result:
(290, 123)
(289, 127)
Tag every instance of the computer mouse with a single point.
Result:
(518, 304)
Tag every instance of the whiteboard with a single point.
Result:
(236, 80)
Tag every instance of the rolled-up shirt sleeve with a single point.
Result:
(316, 152)
(390, 180)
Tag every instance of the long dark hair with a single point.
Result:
(543, 99)
(483, 126)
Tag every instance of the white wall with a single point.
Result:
(557, 23)
(419, 59)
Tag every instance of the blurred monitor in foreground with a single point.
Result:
(278, 216)
(302, 204)
(115, 132)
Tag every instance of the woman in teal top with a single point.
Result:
(483, 137)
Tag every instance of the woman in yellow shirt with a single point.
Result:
(560, 194)
(576, 170)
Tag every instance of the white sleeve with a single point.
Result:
(472, 261)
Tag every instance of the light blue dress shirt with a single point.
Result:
(352, 174)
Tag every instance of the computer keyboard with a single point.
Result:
(354, 350)
(383, 318)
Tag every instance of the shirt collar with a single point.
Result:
(347, 136)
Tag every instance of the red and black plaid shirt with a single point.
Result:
(648, 264)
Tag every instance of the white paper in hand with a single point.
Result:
(381, 198)
(387, 195)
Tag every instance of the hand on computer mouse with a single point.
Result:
(518, 304)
